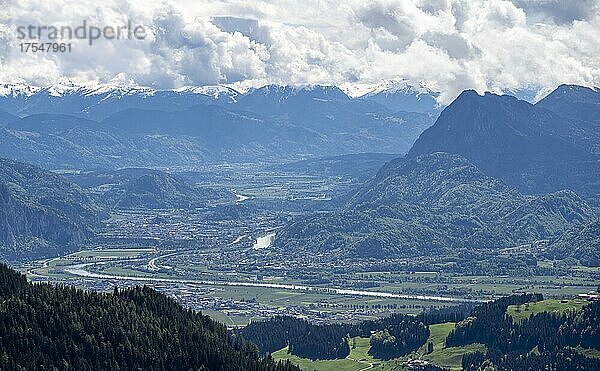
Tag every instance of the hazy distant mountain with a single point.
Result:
(142, 127)
(399, 96)
(431, 203)
(529, 147)
(280, 98)
(580, 108)
(138, 188)
(61, 141)
(50, 123)
(356, 124)
(5, 118)
(41, 212)
(225, 135)
(573, 101)
(324, 108)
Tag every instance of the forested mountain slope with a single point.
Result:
(41, 211)
(431, 203)
(529, 147)
(47, 327)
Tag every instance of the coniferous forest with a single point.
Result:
(398, 339)
(304, 339)
(548, 331)
(562, 359)
(44, 327)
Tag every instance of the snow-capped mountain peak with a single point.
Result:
(399, 87)
(358, 90)
(14, 90)
(214, 91)
(100, 101)
(397, 95)
(68, 88)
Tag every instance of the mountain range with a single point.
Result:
(96, 103)
(573, 102)
(70, 127)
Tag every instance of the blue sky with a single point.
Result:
(447, 45)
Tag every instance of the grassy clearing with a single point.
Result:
(358, 359)
(452, 357)
(446, 357)
(437, 335)
(226, 319)
(219, 317)
(359, 352)
(520, 312)
(592, 353)
(319, 365)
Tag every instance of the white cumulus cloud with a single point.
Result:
(449, 45)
